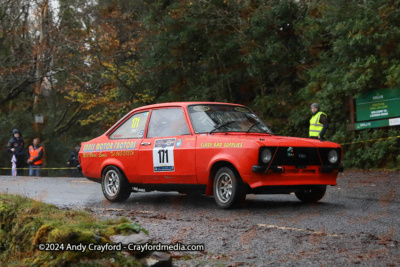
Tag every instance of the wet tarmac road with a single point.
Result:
(356, 223)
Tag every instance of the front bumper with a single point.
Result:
(326, 169)
(281, 169)
(264, 169)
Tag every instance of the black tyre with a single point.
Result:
(311, 194)
(228, 189)
(115, 186)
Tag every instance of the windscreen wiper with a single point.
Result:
(221, 125)
(251, 127)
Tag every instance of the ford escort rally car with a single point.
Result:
(222, 150)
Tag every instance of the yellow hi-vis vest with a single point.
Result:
(315, 126)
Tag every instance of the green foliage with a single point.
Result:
(26, 223)
(275, 56)
(128, 228)
(383, 153)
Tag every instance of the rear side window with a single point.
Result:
(132, 127)
(167, 122)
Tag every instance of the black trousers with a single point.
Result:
(20, 165)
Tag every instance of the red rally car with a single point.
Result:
(218, 149)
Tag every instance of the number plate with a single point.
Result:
(163, 155)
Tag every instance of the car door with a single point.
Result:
(167, 153)
(126, 140)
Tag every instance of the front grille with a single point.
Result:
(300, 157)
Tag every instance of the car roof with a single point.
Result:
(181, 104)
(168, 104)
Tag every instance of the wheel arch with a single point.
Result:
(109, 163)
(213, 170)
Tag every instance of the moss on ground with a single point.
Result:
(26, 223)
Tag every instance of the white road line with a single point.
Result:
(295, 229)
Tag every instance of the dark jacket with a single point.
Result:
(324, 121)
(73, 159)
(20, 141)
(18, 152)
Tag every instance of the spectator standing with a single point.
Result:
(73, 161)
(16, 147)
(318, 123)
(73, 158)
(35, 157)
(18, 155)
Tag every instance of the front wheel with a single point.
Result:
(115, 186)
(227, 188)
(311, 193)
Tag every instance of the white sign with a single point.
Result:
(38, 119)
(163, 155)
(395, 121)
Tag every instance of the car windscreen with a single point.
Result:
(225, 118)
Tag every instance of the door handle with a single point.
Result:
(146, 144)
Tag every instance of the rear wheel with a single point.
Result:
(228, 189)
(115, 186)
(311, 193)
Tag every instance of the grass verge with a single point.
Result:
(26, 223)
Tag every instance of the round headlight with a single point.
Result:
(266, 155)
(332, 156)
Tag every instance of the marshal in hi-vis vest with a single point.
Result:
(315, 126)
(33, 153)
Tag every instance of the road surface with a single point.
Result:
(356, 223)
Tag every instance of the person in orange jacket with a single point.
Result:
(35, 157)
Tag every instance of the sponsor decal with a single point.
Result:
(201, 108)
(115, 149)
(128, 145)
(240, 109)
(164, 142)
(163, 155)
(135, 122)
(178, 143)
(221, 145)
(233, 145)
(89, 155)
(122, 153)
(89, 147)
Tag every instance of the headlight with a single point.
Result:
(333, 156)
(266, 155)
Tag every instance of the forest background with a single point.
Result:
(83, 64)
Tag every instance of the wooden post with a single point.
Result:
(38, 52)
(351, 126)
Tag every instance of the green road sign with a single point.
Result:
(377, 123)
(378, 104)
